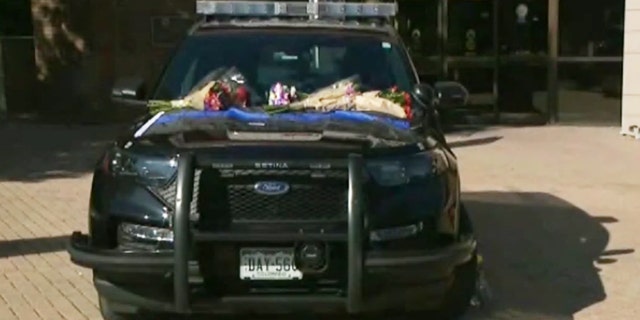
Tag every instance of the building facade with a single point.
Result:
(524, 60)
(631, 79)
(531, 60)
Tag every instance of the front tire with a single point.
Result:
(463, 289)
(108, 313)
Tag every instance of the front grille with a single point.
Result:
(168, 194)
(303, 202)
(314, 195)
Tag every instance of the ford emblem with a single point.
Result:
(271, 188)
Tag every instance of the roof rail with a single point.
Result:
(312, 9)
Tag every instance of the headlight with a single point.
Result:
(136, 232)
(152, 170)
(433, 191)
(401, 170)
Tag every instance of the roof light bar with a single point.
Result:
(295, 9)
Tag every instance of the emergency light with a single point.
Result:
(314, 9)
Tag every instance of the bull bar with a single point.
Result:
(439, 262)
(183, 235)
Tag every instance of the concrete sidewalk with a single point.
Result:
(555, 208)
(556, 213)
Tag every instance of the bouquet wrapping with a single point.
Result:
(219, 90)
(226, 88)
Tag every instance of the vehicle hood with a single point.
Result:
(249, 125)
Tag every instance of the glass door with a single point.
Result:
(498, 50)
(418, 25)
(590, 61)
(522, 73)
(470, 56)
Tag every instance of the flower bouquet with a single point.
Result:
(218, 91)
(345, 95)
(223, 89)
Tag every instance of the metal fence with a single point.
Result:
(17, 75)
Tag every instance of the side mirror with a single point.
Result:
(129, 91)
(424, 93)
(450, 94)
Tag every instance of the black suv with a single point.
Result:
(246, 212)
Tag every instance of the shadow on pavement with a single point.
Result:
(32, 153)
(22, 247)
(539, 254)
(473, 142)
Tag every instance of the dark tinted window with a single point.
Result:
(307, 60)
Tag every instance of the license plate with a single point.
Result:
(268, 264)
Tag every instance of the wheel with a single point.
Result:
(466, 225)
(108, 313)
(463, 289)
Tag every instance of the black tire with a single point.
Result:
(466, 225)
(108, 313)
(458, 299)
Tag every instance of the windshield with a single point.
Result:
(308, 60)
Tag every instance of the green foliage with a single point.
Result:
(15, 18)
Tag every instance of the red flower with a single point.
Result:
(407, 111)
(407, 98)
(242, 96)
(407, 105)
(212, 101)
(219, 97)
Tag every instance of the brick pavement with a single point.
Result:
(555, 208)
(43, 196)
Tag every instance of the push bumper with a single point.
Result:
(83, 254)
(404, 280)
(377, 280)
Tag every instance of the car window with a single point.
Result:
(309, 61)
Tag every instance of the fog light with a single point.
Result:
(396, 232)
(145, 233)
(311, 256)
